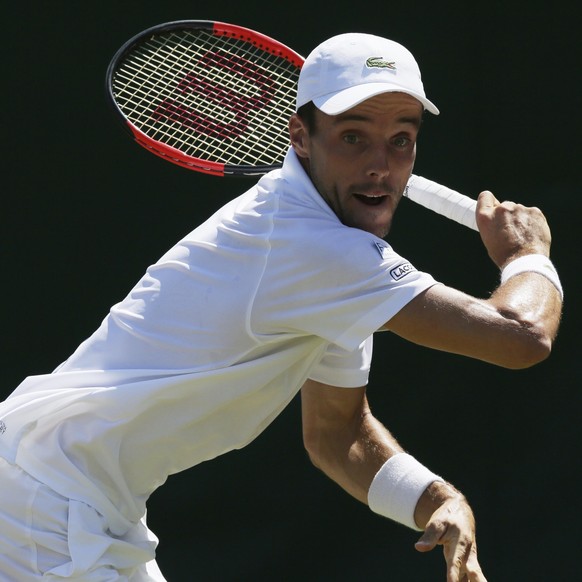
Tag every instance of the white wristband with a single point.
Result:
(533, 264)
(397, 487)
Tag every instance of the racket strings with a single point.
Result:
(217, 98)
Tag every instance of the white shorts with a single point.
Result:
(46, 536)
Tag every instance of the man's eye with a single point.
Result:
(351, 138)
(401, 142)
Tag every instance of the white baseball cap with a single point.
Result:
(349, 68)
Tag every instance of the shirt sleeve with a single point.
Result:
(345, 369)
(342, 287)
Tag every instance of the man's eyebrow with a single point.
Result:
(343, 117)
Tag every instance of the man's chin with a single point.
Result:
(379, 230)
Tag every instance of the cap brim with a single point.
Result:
(340, 101)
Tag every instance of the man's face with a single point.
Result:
(360, 161)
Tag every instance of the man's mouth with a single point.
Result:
(371, 199)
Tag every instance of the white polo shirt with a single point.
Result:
(209, 347)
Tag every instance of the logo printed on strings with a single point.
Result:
(240, 106)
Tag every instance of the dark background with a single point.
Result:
(85, 211)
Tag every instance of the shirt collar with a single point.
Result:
(294, 174)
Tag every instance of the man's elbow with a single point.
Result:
(526, 352)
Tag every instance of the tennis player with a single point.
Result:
(280, 291)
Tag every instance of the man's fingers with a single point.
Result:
(452, 526)
(460, 553)
(486, 204)
(463, 565)
(424, 546)
(456, 555)
(429, 539)
(487, 200)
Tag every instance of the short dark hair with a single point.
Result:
(307, 114)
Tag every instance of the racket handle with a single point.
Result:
(442, 200)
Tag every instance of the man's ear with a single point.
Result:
(299, 136)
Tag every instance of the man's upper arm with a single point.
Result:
(342, 437)
(326, 407)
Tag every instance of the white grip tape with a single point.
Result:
(397, 487)
(442, 200)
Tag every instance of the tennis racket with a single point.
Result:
(216, 98)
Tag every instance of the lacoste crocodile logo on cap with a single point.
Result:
(380, 63)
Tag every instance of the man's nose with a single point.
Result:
(379, 163)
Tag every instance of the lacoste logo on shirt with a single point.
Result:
(401, 270)
(380, 63)
(382, 249)
(2, 427)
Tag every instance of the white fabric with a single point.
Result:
(46, 536)
(208, 348)
(349, 68)
(397, 487)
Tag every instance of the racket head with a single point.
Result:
(205, 95)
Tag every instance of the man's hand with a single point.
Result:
(452, 526)
(509, 230)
